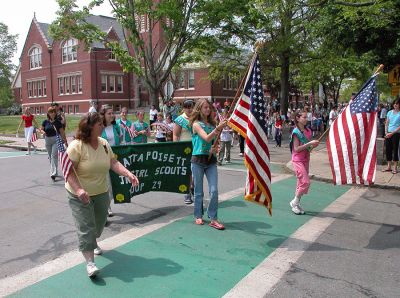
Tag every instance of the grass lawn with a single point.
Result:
(9, 124)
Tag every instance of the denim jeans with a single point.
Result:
(198, 172)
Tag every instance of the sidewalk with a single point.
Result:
(319, 167)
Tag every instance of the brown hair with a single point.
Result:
(49, 110)
(196, 116)
(103, 111)
(296, 115)
(85, 126)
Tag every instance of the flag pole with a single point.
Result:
(257, 45)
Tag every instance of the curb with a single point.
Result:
(20, 148)
(330, 180)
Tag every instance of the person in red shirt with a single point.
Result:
(28, 119)
(278, 130)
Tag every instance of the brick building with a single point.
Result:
(66, 73)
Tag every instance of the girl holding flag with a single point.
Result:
(301, 146)
(204, 131)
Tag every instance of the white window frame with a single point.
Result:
(35, 58)
(69, 51)
(73, 85)
(191, 79)
(111, 78)
(120, 84)
(104, 83)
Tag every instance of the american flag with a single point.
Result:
(34, 136)
(352, 137)
(249, 119)
(132, 133)
(65, 162)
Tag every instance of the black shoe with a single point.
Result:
(53, 178)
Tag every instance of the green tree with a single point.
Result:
(8, 46)
(148, 55)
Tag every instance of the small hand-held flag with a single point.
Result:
(249, 119)
(132, 133)
(34, 136)
(65, 162)
(352, 139)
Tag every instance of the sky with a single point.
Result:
(18, 14)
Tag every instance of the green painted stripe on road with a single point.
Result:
(185, 260)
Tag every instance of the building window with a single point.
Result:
(112, 83)
(60, 86)
(67, 85)
(30, 92)
(44, 88)
(119, 84)
(73, 84)
(69, 109)
(35, 58)
(79, 84)
(182, 80)
(63, 108)
(69, 50)
(103, 83)
(191, 79)
(39, 88)
(41, 110)
(70, 84)
(118, 108)
(112, 55)
(76, 109)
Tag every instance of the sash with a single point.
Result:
(301, 136)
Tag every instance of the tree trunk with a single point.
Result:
(153, 96)
(284, 84)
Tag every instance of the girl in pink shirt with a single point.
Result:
(301, 146)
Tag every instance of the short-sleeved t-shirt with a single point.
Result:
(186, 132)
(93, 165)
(394, 120)
(49, 126)
(138, 127)
(28, 120)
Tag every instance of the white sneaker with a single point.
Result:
(295, 208)
(301, 209)
(98, 251)
(110, 213)
(92, 269)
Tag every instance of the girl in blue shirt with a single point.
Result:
(392, 137)
(204, 131)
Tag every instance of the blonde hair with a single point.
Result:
(196, 113)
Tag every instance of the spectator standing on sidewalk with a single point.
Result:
(278, 130)
(183, 132)
(51, 127)
(204, 132)
(226, 141)
(28, 119)
(382, 118)
(300, 146)
(153, 114)
(392, 137)
(87, 188)
(60, 115)
(332, 115)
(93, 107)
